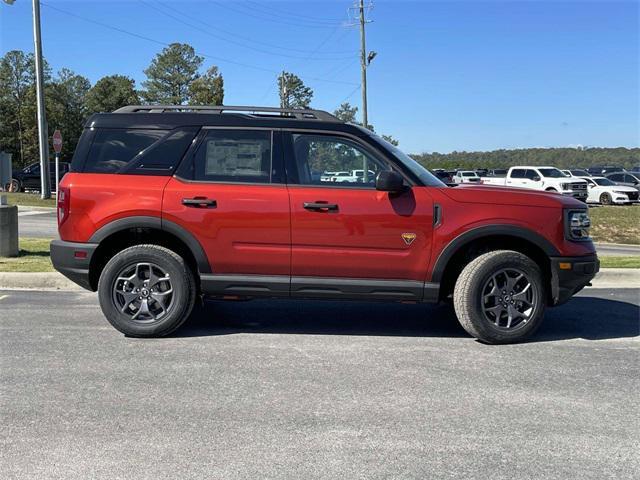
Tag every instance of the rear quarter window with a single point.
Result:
(113, 149)
(132, 151)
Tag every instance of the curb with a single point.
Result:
(617, 278)
(606, 278)
(36, 281)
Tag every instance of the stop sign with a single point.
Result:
(57, 141)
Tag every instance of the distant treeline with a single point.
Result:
(558, 157)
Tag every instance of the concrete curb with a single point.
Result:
(36, 281)
(617, 278)
(606, 278)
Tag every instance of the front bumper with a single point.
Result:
(566, 282)
(577, 194)
(73, 260)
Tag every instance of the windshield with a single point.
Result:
(551, 173)
(469, 174)
(418, 170)
(605, 182)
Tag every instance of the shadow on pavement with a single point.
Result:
(583, 317)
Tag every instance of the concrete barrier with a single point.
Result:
(8, 229)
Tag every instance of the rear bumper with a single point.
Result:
(73, 260)
(566, 282)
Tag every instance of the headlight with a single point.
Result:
(565, 186)
(577, 225)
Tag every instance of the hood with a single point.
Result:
(622, 188)
(485, 194)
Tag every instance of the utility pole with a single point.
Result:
(363, 66)
(43, 136)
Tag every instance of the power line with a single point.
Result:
(291, 16)
(254, 14)
(165, 44)
(155, 6)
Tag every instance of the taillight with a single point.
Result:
(64, 200)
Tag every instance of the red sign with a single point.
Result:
(57, 141)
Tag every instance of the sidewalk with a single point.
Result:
(606, 278)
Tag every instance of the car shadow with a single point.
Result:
(583, 317)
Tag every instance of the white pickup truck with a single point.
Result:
(548, 179)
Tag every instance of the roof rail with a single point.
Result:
(302, 114)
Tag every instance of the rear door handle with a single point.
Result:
(199, 202)
(320, 206)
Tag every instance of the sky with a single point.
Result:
(448, 75)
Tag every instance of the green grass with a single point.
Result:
(29, 200)
(615, 224)
(619, 262)
(32, 257)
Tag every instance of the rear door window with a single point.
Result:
(233, 156)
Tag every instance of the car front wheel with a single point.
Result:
(499, 297)
(146, 291)
(605, 199)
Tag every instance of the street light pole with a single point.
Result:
(43, 136)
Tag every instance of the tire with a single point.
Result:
(14, 186)
(154, 309)
(605, 199)
(478, 307)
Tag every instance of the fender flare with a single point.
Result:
(159, 224)
(486, 231)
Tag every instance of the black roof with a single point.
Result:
(171, 116)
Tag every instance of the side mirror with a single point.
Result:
(389, 181)
(536, 178)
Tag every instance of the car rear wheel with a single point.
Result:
(13, 185)
(146, 291)
(500, 297)
(605, 199)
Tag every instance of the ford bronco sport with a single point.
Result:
(167, 204)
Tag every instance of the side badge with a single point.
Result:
(408, 238)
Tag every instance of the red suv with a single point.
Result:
(164, 204)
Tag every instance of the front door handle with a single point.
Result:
(320, 206)
(199, 202)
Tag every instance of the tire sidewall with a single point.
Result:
(181, 304)
(487, 331)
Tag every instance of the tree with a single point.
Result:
(293, 92)
(208, 89)
(66, 109)
(347, 113)
(110, 93)
(17, 129)
(170, 74)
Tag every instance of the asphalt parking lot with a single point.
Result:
(306, 390)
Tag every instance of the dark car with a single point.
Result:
(625, 178)
(29, 177)
(600, 170)
(579, 172)
(443, 175)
